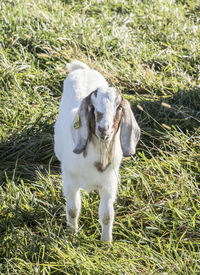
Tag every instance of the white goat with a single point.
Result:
(94, 129)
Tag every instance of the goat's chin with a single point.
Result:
(104, 139)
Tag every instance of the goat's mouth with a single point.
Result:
(104, 137)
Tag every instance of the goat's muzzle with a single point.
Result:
(104, 133)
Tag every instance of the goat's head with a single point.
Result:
(102, 113)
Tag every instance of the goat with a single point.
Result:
(94, 129)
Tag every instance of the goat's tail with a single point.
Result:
(75, 65)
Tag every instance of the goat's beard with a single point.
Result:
(106, 146)
(106, 152)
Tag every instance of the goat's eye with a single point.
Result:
(99, 116)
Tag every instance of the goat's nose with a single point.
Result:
(102, 130)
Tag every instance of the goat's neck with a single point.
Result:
(105, 153)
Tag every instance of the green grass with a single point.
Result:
(150, 50)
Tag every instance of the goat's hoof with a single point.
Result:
(71, 230)
(106, 244)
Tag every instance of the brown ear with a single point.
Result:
(82, 130)
(130, 131)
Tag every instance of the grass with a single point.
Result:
(150, 50)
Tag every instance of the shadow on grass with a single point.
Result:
(27, 153)
(159, 121)
(24, 154)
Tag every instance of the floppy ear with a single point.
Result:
(82, 130)
(130, 131)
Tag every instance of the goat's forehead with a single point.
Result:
(104, 98)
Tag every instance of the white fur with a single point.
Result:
(79, 172)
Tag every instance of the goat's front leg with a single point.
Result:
(106, 214)
(73, 204)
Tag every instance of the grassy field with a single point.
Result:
(151, 51)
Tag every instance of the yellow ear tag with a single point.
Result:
(77, 122)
